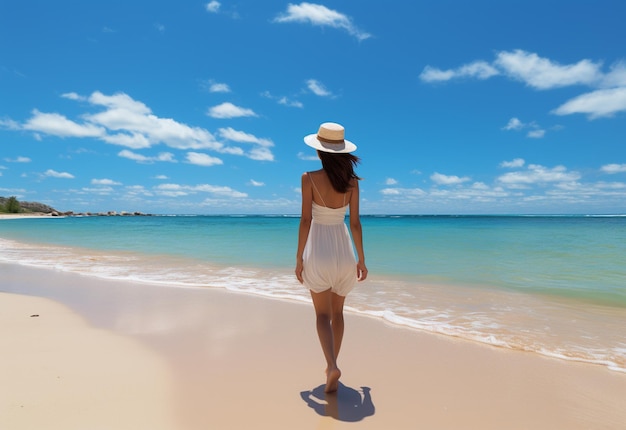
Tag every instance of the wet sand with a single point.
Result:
(110, 354)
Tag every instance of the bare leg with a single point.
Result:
(337, 321)
(323, 304)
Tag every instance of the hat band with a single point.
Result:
(335, 141)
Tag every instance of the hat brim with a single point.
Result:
(337, 148)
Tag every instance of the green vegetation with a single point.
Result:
(11, 205)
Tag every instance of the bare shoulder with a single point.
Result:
(316, 173)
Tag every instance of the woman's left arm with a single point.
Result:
(305, 224)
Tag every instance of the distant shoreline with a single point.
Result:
(26, 215)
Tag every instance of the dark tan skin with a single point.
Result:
(328, 305)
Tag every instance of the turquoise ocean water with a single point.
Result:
(552, 285)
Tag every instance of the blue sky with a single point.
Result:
(481, 107)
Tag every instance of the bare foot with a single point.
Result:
(332, 380)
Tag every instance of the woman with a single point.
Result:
(325, 261)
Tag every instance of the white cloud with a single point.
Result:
(219, 88)
(441, 179)
(134, 191)
(256, 183)
(102, 191)
(542, 73)
(480, 186)
(172, 190)
(536, 134)
(17, 192)
(54, 174)
(130, 123)
(518, 162)
(433, 74)
(163, 156)
(104, 182)
(320, 15)
(232, 150)
(133, 140)
(220, 191)
(285, 101)
(538, 188)
(390, 191)
(613, 168)
(200, 159)
(616, 77)
(517, 125)
(390, 181)
(58, 125)
(229, 110)
(125, 153)
(260, 154)
(137, 126)
(73, 96)
(119, 101)
(514, 124)
(611, 185)
(19, 159)
(166, 156)
(216, 87)
(536, 174)
(478, 192)
(596, 104)
(240, 136)
(530, 68)
(318, 88)
(175, 190)
(404, 192)
(9, 124)
(161, 177)
(292, 103)
(477, 69)
(213, 6)
(124, 122)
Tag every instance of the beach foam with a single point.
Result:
(553, 328)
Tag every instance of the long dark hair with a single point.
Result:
(340, 169)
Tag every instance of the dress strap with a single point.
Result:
(315, 188)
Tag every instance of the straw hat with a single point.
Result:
(329, 138)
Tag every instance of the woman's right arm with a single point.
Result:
(357, 232)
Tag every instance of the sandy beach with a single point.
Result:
(4, 216)
(80, 352)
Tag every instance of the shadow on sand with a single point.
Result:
(346, 404)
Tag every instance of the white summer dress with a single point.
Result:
(329, 261)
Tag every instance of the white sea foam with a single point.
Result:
(501, 319)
